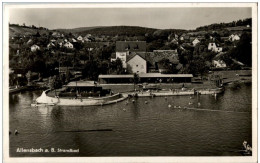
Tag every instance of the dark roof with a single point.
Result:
(132, 55)
(132, 46)
(148, 75)
(154, 57)
(219, 55)
(115, 76)
(158, 55)
(81, 84)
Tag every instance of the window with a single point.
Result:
(136, 65)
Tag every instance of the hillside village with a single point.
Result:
(64, 55)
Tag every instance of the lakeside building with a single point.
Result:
(136, 63)
(149, 62)
(148, 78)
(124, 48)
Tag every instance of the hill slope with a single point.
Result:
(19, 30)
(77, 30)
(118, 30)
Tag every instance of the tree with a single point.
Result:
(117, 66)
(136, 79)
(170, 67)
(103, 67)
(90, 70)
(243, 50)
(198, 66)
(68, 76)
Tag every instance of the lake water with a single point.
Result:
(138, 129)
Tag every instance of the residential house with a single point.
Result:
(124, 48)
(60, 42)
(214, 47)
(68, 45)
(234, 37)
(218, 49)
(30, 41)
(87, 39)
(53, 40)
(73, 40)
(34, 48)
(136, 63)
(56, 34)
(217, 62)
(88, 35)
(174, 41)
(50, 45)
(195, 41)
(212, 38)
(182, 37)
(80, 38)
(153, 59)
(171, 36)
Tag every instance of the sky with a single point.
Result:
(160, 18)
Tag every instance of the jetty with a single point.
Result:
(175, 92)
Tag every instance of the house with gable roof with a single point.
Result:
(234, 37)
(68, 45)
(80, 38)
(195, 41)
(125, 48)
(136, 63)
(213, 47)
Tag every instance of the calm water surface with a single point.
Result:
(138, 129)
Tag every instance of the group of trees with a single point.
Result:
(26, 26)
(95, 67)
(242, 52)
(224, 25)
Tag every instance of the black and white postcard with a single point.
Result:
(130, 82)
